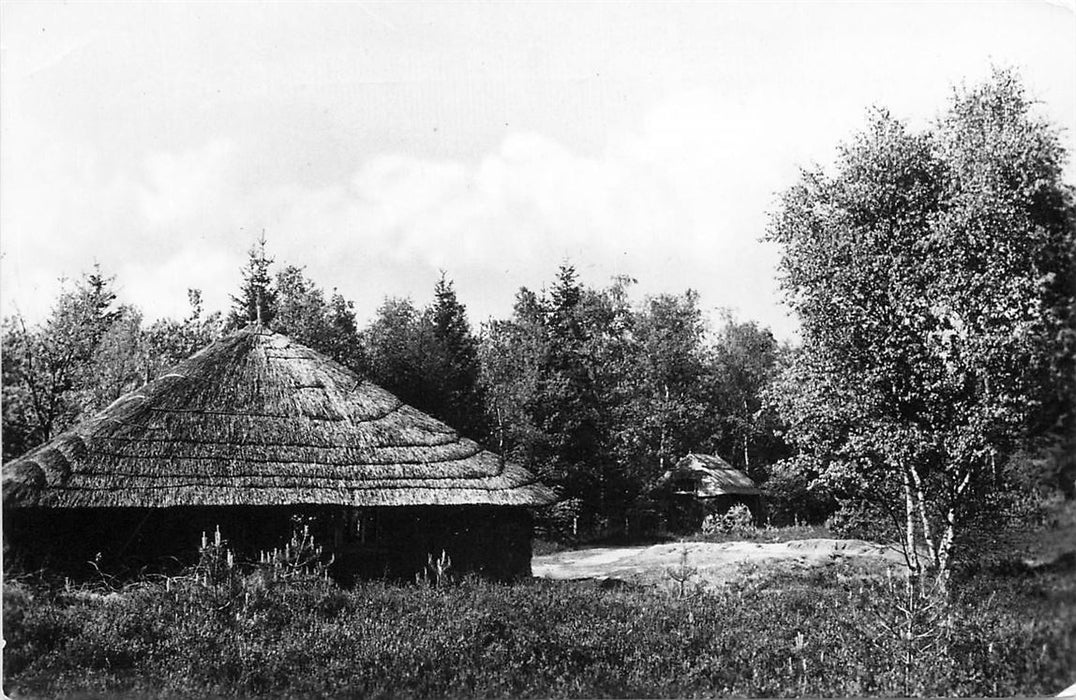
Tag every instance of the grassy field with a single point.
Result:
(770, 634)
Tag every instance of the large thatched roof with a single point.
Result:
(257, 419)
(707, 476)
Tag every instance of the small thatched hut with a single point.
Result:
(712, 484)
(256, 433)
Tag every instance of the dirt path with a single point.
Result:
(716, 562)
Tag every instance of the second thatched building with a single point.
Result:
(700, 485)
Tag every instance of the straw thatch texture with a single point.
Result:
(257, 419)
(707, 476)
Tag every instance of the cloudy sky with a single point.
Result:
(378, 143)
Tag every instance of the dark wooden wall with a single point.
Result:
(125, 540)
(488, 540)
(368, 543)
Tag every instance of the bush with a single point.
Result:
(737, 520)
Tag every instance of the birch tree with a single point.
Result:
(933, 276)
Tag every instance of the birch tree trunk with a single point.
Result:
(911, 553)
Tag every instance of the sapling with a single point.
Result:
(682, 574)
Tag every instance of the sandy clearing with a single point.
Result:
(716, 562)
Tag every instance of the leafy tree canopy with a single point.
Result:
(933, 276)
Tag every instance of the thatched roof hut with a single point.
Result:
(699, 485)
(257, 420)
(707, 476)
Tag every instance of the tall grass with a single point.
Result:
(809, 634)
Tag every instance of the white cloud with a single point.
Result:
(659, 203)
(180, 185)
(663, 203)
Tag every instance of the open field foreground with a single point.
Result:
(776, 631)
(714, 562)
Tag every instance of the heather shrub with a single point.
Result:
(820, 632)
(737, 520)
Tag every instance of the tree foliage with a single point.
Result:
(453, 363)
(294, 305)
(932, 273)
(257, 298)
(595, 393)
(745, 360)
(168, 342)
(395, 345)
(600, 395)
(663, 412)
(302, 313)
(429, 358)
(510, 361)
(83, 356)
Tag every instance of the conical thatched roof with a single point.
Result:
(257, 419)
(708, 476)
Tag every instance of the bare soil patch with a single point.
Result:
(715, 562)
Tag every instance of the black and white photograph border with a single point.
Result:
(538, 349)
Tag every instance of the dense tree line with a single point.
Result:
(597, 395)
(600, 396)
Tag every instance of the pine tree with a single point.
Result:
(455, 371)
(344, 344)
(257, 300)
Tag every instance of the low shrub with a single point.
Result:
(737, 520)
(822, 632)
